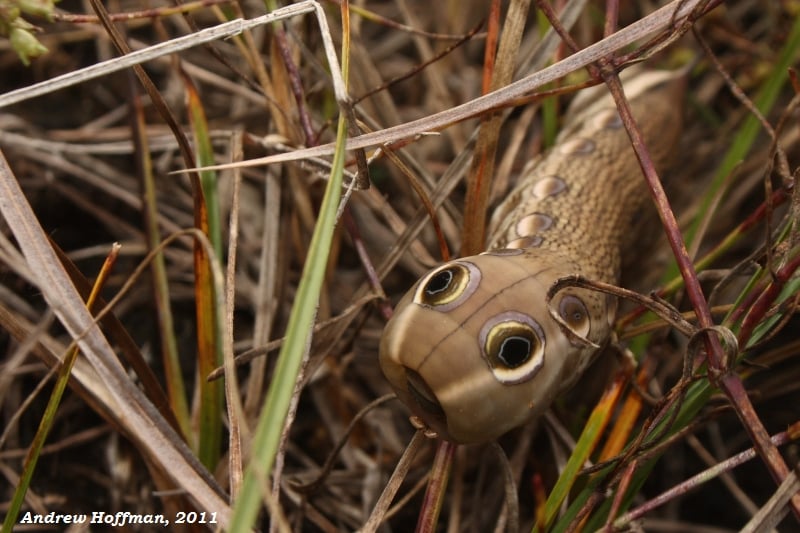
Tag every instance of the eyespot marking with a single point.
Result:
(608, 119)
(576, 146)
(575, 315)
(532, 224)
(532, 241)
(549, 186)
(448, 286)
(512, 344)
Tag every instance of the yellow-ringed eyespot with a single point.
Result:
(575, 315)
(512, 344)
(447, 286)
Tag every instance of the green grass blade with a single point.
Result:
(301, 321)
(696, 397)
(746, 135)
(170, 356)
(32, 457)
(590, 436)
(699, 392)
(209, 324)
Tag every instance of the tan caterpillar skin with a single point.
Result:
(472, 349)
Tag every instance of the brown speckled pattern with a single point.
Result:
(590, 187)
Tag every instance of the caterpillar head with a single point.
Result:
(474, 351)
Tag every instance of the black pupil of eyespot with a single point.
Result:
(572, 311)
(514, 351)
(439, 282)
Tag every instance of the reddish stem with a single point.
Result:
(765, 299)
(437, 485)
(296, 84)
(695, 481)
(728, 382)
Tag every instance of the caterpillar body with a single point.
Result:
(472, 348)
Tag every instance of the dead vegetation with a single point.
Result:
(139, 427)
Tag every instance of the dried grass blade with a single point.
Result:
(703, 477)
(64, 372)
(121, 338)
(152, 434)
(227, 29)
(479, 182)
(660, 19)
(176, 387)
(771, 514)
(238, 430)
(746, 134)
(379, 511)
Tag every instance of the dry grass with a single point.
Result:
(94, 161)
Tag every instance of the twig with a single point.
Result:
(227, 29)
(719, 373)
(694, 481)
(656, 21)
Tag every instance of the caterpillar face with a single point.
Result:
(473, 350)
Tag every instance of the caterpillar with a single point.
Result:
(472, 348)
